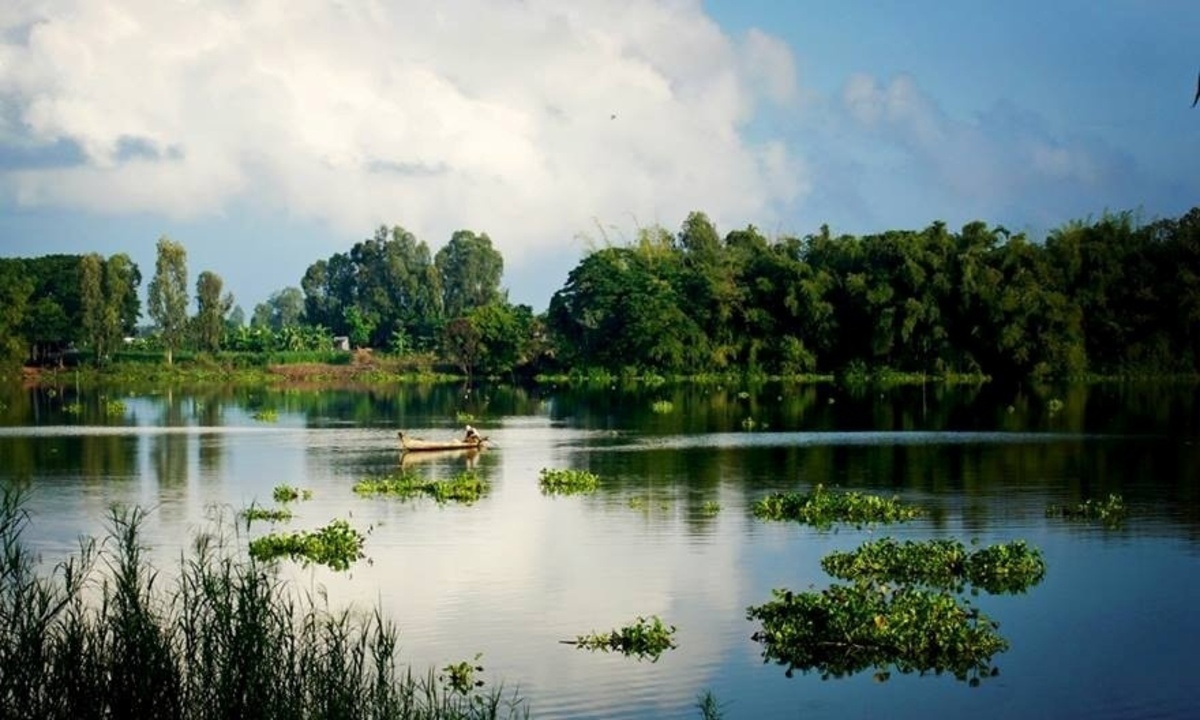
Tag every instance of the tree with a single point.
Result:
(91, 295)
(121, 304)
(470, 270)
(15, 291)
(168, 294)
(211, 311)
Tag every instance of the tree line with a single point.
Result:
(1104, 296)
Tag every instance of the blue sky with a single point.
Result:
(265, 136)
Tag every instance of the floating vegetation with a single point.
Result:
(336, 545)
(662, 407)
(710, 508)
(822, 508)
(567, 482)
(1110, 511)
(637, 502)
(257, 512)
(287, 493)
(114, 408)
(1054, 405)
(846, 629)
(464, 417)
(945, 564)
(644, 638)
(266, 415)
(708, 706)
(460, 676)
(466, 487)
(73, 408)
(749, 423)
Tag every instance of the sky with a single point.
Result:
(265, 135)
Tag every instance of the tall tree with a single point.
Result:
(470, 270)
(91, 295)
(121, 304)
(15, 291)
(211, 310)
(168, 294)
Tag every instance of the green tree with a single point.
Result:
(121, 304)
(91, 293)
(168, 295)
(211, 311)
(470, 270)
(15, 291)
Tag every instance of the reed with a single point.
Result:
(102, 635)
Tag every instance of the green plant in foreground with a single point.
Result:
(466, 487)
(336, 545)
(643, 638)
(287, 493)
(944, 564)
(822, 508)
(567, 482)
(256, 512)
(1110, 511)
(104, 635)
(845, 629)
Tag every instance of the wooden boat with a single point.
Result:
(409, 444)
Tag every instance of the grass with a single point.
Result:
(567, 482)
(103, 635)
(466, 487)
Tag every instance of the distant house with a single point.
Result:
(341, 342)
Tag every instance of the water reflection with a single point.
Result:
(517, 571)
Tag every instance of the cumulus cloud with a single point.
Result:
(525, 119)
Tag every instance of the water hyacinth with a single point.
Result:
(567, 482)
(944, 564)
(822, 508)
(336, 545)
(465, 488)
(643, 638)
(1110, 511)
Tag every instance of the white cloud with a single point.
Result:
(522, 119)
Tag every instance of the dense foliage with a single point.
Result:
(1107, 296)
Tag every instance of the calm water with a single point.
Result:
(1110, 632)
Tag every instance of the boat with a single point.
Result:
(410, 444)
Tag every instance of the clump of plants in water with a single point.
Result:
(902, 610)
(845, 629)
(336, 545)
(460, 676)
(287, 493)
(257, 513)
(566, 481)
(466, 487)
(944, 564)
(710, 508)
(103, 635)
(643, 638)
(822, 508)
(267, 415)
(1110, 511)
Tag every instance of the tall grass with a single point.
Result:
(101, 635)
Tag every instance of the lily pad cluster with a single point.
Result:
(822, 508)
(902, 610)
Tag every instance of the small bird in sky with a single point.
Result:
(1197, 98)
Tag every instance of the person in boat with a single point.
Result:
(472, 436)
